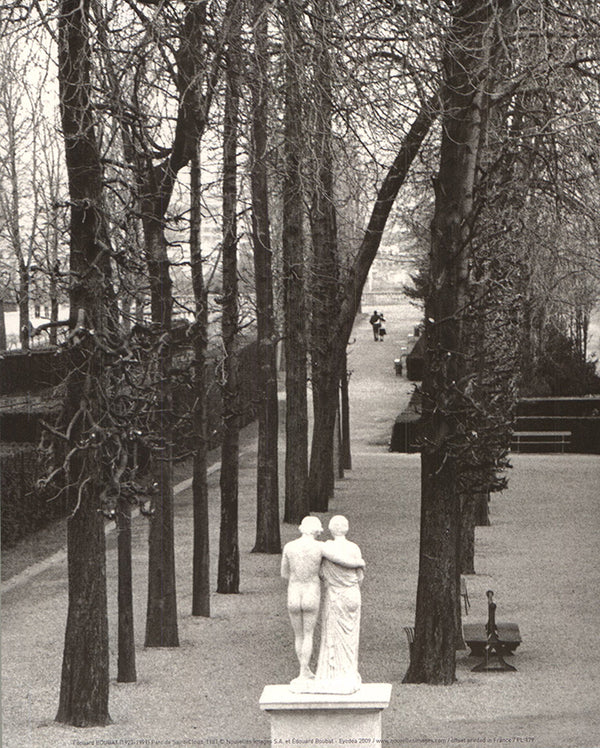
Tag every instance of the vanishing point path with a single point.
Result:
(540, 556)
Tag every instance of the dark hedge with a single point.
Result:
(25, 509)
(32, 371)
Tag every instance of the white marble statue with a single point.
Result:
(301, 565)
(342, 574)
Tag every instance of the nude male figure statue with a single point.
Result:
(300, 565)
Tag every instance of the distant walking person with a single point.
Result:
(382, 330)
(375, 324)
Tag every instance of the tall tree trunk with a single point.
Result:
(482, 510)
(338, 448)
(324, 277)
(24, 293)
(201, 558)
(433, 657)
(161, 610)
(126, 672)
(467, 532)
(228, 575)
(2, 327)
(54, 275)
(84, 684)
(13, 221)
(84, 681)
(296, 426)
(345, 416)
(267, 486)
(322, 469)
(488, 327)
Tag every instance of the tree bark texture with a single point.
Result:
(322, 471)
(338, 443)
(345, 416)
(490, 321)
(467, 533)
(161, 611)
(324, 273)
(295, 334)
(228, 575)
(84, 684)
(24, 292)
(54, 274)
(267, 483)
(84, 680)
(126, 671)
(433, 653)
(433, 657)
(201, 557)
(2, 327)
(482, 514)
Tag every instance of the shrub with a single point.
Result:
(560, 371)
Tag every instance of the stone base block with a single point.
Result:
(328, 720)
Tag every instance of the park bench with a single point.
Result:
(410, 630)
(548, 439)
(492, 641)
(475, 636)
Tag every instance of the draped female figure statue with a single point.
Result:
(301, 565)
(337, 668)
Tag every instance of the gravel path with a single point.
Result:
(540, 556)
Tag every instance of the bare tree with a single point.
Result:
(19, 194)
(201, 558)
(324, 270)
(267, 485)
(155, 186)
(228, 578)
(465, 63)
(84, 683)
(296, 341)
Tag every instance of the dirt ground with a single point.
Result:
(540, 556)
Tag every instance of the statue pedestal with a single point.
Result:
(326, 719)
